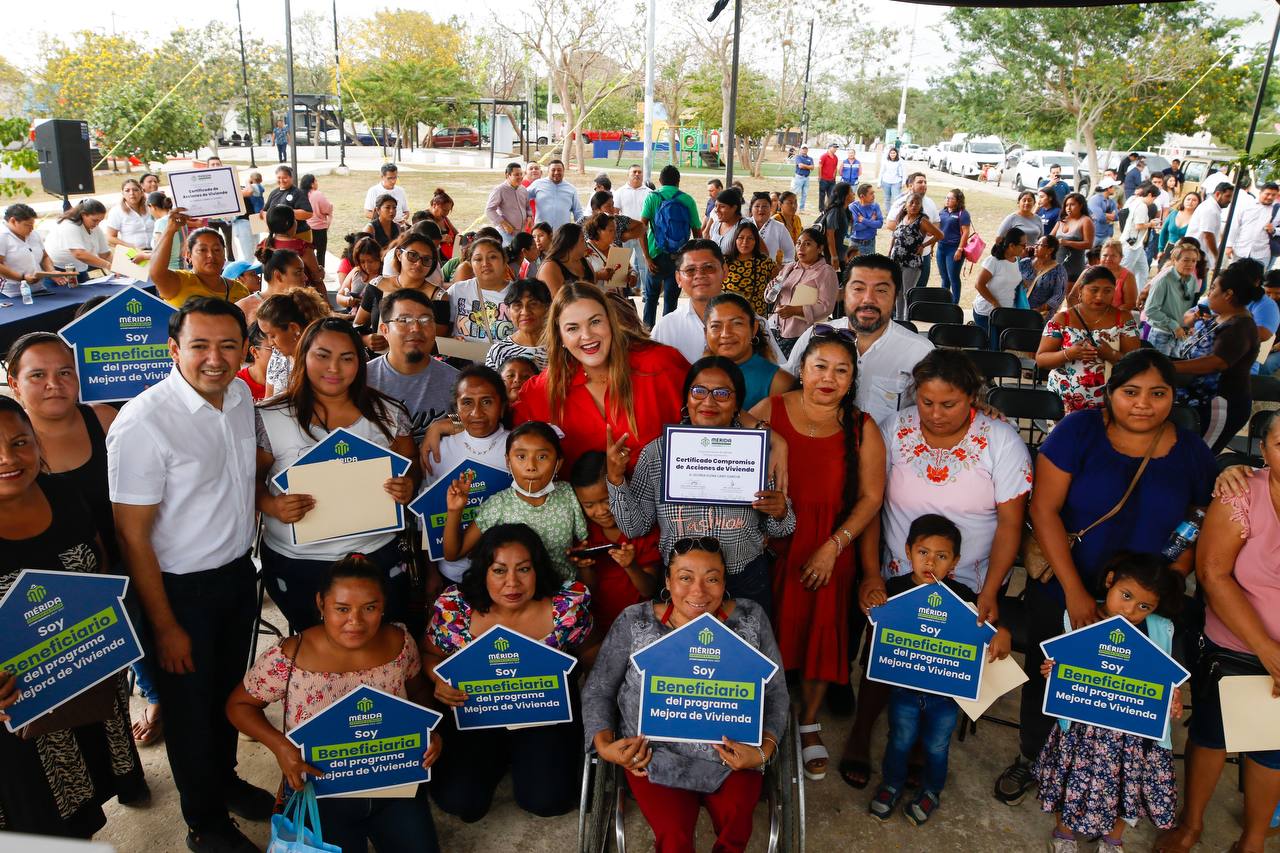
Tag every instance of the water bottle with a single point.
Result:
(1184, 536)
(25, 289)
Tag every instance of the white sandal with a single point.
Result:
(812, 753)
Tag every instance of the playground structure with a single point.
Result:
(695, 147)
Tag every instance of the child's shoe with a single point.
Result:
(921, 808)
(884, 802)
(1107, 845)
(1062, 844)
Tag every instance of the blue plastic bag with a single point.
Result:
(298, 829)
(1020, 298)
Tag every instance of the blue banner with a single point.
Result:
(702, 682)
(121, 346)
(60, 634)
(367, 741)
(510, 680)
(1110, 674)
(929, 639)
(431, 504)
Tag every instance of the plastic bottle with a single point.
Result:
(1184, 535)
(25, 289)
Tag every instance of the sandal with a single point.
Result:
(150, 728)
(856, 772)
(884, 802)
(815, 754)
(1166, 843)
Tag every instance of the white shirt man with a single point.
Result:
(1210, 183)
(1249, 235)
(1206, 222)
(887, 352)
(1138, 224)
(387, 186)
(630, 197)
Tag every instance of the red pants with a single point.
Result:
(672, 813)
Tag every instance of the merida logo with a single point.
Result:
(44, 606)
(931, 613)
(1114, 649)
(133, 306)
(935, 600)
(502, 644)
(502, 657)
(705, 652)
(36, 593)
(342, 448)
(705, 636)
(365, 705)
(1117, 636)
(712, 441)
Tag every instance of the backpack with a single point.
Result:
(671, 224)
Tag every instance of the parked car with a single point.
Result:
(911, 151)
(605, 135)
(972, 155)
(377, 136)
(455, 137)
(1033, 167)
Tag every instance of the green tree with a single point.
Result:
(756, 117)
(24, 157)
(12, 88)
(74, 73)
(1090, 68)
(137, 120)
(409, 93)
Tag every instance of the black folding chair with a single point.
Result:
(1186, 417)
(935, 312)
(929, 294)
(907, 324)
(1015, 318)
(957, 336)
(1020, 340)
(1031, 410)
(995, 366)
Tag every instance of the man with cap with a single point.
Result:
(828, 167)
(800, 183)
(1103, 211)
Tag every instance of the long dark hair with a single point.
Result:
(89, 206)
(850, 423)
(376, 407)
(565, 238)
(745, 224)
(473, 586)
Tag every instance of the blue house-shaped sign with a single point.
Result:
(121, 346)
(432, 507)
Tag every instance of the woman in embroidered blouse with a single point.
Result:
(670, 781)
(945, 457)
(809, 269)
(310, 671)
(512, 583)
(1081, 342)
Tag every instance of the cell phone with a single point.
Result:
(593, 551)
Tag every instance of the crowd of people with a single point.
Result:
(535, 345)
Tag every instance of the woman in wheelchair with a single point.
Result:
(671, 781)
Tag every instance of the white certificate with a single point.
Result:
(207, 192)
(350, 500)
(708, 465)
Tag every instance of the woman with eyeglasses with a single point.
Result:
(670, 781)
(712, 397)
(836, 459)
(528, 301)
(1044, 279)
(413, 261)
(330, 390)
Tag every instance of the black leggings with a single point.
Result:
(393, 824)
(545, 765)
(1044, 621)
(1222, 418)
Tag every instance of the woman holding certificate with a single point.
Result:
(328, 391)
(837, 462)
(713, 389)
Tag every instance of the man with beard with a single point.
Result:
(407, 372)
(887, 352)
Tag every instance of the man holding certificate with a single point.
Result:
(333, 393)
(705, 477)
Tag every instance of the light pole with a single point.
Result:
(730, 132)
(337, 87)
(906, 75)
(248, 102)
(804, 99)
(288, 59)
(650, 44)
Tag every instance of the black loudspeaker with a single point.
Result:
(62, 148)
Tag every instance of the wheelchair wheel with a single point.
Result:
(596, 805)
(784, 784)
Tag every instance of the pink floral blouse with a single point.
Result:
(309, 692)
(1081, 384)
(450, 627)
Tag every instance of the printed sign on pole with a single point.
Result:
(432, 506)
(702, 682)
(367, 741)
(510, 680)
(60, 634)
(121, 346)
(929, 639)
(1110, 674)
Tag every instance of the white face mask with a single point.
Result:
(540, 493)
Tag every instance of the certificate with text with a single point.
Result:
(709, 465)
(207, 192)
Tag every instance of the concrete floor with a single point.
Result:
(969, 820)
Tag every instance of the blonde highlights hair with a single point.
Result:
(561, 364)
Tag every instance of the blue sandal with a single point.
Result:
(884, 802)
(920, 809)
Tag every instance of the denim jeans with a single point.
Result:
(800, 186)
(1135, 261)
(638, 264)
(1162, 341)
(663, 283)
(983, 322)
(824, 191)
(864, 247)
(949, 269)
(245, 243)
(891, 193)
(926, 717)
(400, 824)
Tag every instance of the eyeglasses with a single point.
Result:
(697, 543)
(720, 395)
(407, 323)
(412, 257)
(704, 269)
(823, 330)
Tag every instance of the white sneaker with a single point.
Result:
(1062, 845)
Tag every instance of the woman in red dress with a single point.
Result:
(837, 472)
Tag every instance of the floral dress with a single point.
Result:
(907, 239)
(1092, 776)
(450, 627)
(1080, 383)
(749, 277)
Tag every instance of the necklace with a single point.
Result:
(479, 453)
(813, 424)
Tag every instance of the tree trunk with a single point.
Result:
(1091, 148)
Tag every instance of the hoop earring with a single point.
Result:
(684, 414)
(664, 595)
(728, 594)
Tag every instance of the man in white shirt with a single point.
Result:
(1210, 184)
(1137, 226)
(629, 199)
(557, 199)
(387, 186)
(916, 183)
(1254, 226)
(887, 352)
(22, 255)
(181, 463)
(508, 205)
(1206, 222)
